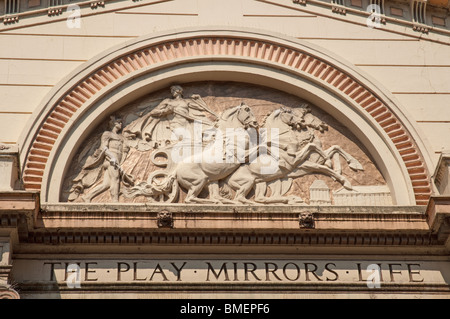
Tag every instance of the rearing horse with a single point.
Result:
(293, 160)
(206, 165)
(196, 172)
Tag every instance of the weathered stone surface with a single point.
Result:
(218, 97)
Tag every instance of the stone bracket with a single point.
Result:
(307, 220)
(438, 217)
(10, 19)
(18, 213)
(165, 219)
(442, 174)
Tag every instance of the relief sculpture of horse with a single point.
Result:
(201, 169)
(299, 153)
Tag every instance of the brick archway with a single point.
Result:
(150, 56)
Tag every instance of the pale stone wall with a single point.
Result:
(39, 51)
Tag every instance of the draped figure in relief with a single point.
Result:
(106, 161)
(162, 124)
(233, 155)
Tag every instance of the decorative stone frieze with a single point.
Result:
(293, 59)
(339, 9)
(139, 160)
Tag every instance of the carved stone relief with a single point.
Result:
(306, 220)
(223, 143)
(165, 219)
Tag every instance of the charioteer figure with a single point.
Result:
(171, 114)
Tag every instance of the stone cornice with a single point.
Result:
(231, 225)
(18, 213)
(356, 7)
(282, 217)
(258, 287)
(44, 15)
(128, 225)
(54, 12)
(234, 238)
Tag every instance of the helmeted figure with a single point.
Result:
(106, 159)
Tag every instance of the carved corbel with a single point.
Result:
(96, 4)
(421, 28)
(54, 12)
(165, 219)
(11, 19)
(306, 220)
(303, 2)
(6, 290)
(379, 14)
(338, 6)
(443, 234)
(418, 13)
(442, 174)
(438, 218)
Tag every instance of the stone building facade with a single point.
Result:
(224, 149)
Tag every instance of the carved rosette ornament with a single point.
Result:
(264, 147)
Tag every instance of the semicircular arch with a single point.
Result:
(122, 74)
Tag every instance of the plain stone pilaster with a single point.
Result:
(9, 167)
